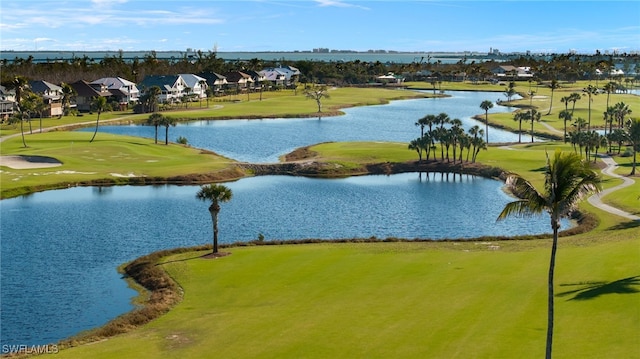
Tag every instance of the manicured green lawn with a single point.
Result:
(108, 157)
(453, 300)
(395, 300)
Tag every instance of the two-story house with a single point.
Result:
(123, 90)
(86, 92)
(51, 95)
(171, 87)
(196, 84)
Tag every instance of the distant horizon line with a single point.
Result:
(336, 51)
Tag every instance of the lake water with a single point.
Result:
(60, 249)
(260, 141)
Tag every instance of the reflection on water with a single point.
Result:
(60, 248)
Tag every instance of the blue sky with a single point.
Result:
(282, 25)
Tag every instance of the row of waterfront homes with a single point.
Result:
(173, 89)
(186, 87)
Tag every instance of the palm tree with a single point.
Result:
(633, 134)
(590, 91)
(553, 86)
(154, 120)
(20, 84)
(152, 98)
(567, 180)
(215, 193)
(99, 103)
(574, 97)
(520, 116)
(167, 121)
(486, 105)
(534, 116)
(416, 145)
(609, 88)
(67, 95)
(565, 116)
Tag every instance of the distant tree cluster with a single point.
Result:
(452, 138)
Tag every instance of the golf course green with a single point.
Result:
(465, 299)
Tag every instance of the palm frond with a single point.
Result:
(531, 202)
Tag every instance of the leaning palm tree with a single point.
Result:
(567, 180)
(215, 193)
(99, 103)
(554, 85)
(486, 105)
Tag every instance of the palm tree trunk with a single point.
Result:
(24, 143)
(214, 220)
(166, 135)
(96, 131)
(550, 303)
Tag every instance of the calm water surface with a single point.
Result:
(60, 248)
(260, 141)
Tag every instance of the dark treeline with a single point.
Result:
(562, 67)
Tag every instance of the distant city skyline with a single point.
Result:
(303, 25)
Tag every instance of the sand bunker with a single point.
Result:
(27, 162)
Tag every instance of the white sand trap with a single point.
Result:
(27, 162)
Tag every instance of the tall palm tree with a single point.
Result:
(609, 88)
(553, 86)
(20, 85)
(99, 104)
(486, 105)
(633, 134)
(534, 116)
(154, 120)
(520, 116)
(567, 180)
(590, 91)
(565, 116)
(215, 193)
(167, 121)
(574, 97)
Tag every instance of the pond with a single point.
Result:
(263, 141)
(60, 249)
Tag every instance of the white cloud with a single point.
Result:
(338, 3)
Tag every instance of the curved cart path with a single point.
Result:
(595, 199)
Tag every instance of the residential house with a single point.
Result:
(51, 95)
(512, 72)
(197, 84)
(7, 101)
(215, 81)
(123, 91)
(239, 80)
(258, 78)
(171, 87)
(274, 77)
(390, 78)
(291, 74)
(86, 92)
